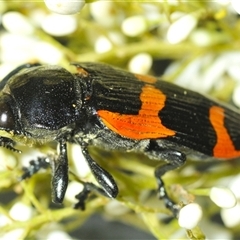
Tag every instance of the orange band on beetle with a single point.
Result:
(224, 147)
(145, 78)
(146, 124)
(82, 72)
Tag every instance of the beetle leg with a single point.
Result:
(9, 144)
(83, 195)
(104, 178)
(60, 174)
(35, 166)
(175, 160)
(108, 185)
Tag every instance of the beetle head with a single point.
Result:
(8, 122)
(7, 118)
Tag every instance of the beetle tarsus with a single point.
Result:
(168, 202)
(34, 167)
(83, 195)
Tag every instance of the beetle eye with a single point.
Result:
(6, 116)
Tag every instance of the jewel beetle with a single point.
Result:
(104, 106)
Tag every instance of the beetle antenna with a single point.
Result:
(8, 143)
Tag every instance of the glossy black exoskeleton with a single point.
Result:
(41, 104)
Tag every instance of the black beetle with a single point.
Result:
(104, 106)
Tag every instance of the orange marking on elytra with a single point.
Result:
(146, 124)
(82, 71)
(224, 147)
(145, 78)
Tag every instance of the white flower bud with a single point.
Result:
(236, 5)
(140, 63)
(59, 25)
(134, 26)
(189, 216)
(236, 95)
(231, 216)
(21, 212)
(223, 197)
(15, 22)
(180, 29)
(65, 7)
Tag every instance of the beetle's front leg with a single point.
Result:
(35, 166)
(60, 174)
(59, 167)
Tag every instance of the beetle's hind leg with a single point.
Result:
(174, 159)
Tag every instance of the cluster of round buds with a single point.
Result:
(191, 214)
